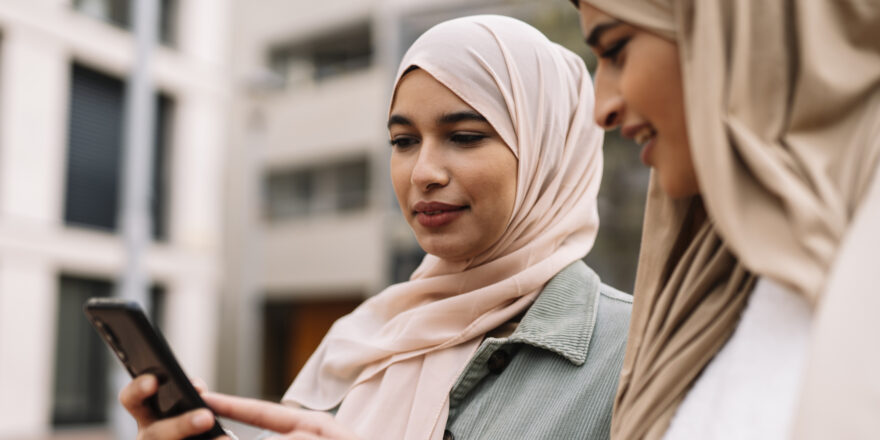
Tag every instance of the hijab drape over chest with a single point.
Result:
(782, 104)
(390, 364)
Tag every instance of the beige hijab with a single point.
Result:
(783, 113)
(391, 363)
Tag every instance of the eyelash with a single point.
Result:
(613, 52)
(467, 139)
(404, 142)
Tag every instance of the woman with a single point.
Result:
(761, 122)
(502, 332)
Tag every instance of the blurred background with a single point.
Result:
(271, 211)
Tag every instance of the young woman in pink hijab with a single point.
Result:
(502, 332)
(756, 299)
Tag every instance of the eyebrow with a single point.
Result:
(452, 118)
(598, 30)
(399, 120)
(449, 118)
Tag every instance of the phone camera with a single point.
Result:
(111, 339)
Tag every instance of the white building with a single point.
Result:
(62, 70)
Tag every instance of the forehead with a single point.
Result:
(590, 16)
(419, 91)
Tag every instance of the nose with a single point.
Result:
(430, 170)
(609, 105)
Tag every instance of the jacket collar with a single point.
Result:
(563, 316)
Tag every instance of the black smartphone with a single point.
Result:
(142, 349)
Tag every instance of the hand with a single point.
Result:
(175, 428)
(295, 424)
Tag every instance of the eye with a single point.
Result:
(613, 53)
(403, 142)
(467, 139)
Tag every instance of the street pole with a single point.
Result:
(135, 214)
(259, 86)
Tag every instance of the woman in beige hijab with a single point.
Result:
(502, 332)
(757, 290)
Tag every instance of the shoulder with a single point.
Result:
(581, 277)
(611, 327)
(616, 306)
(601, 311)
(614, 294)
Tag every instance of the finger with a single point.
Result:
(271, 416)
(254, 412)
(199, 384)
(304, 436)
(133, 395)
(299, 435)
(179, 427)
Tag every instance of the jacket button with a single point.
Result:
(447, 435)
(498, 361)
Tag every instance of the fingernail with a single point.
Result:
(202, 419)
(147, 384)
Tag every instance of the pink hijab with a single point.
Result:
(390, 364)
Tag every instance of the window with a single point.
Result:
(168, 22)
(333, 188)
(94, 153)
(81, 360)
(341, 51)
(351, 182)
(161, 172)
(404, 262)
(111, 11)
(290, 194)
(118, 13)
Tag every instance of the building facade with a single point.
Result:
(63, 68)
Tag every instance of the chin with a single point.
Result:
(448, 253)
(437, 247)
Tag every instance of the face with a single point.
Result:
(455, 179)
(638, 88)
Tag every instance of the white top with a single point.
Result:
(750, 389)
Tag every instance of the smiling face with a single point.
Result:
(454, 177)
(639, 89)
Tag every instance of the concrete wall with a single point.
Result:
(39, 41)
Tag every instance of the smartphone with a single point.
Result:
(141, 348)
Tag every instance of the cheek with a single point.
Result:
(498, 185)
(651, 80)
(400, 178)
(641, 90)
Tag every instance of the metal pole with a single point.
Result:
(249, 335)
(135, 215)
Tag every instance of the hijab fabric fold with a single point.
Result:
(389, 366)
(782, 104)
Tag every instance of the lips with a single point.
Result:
(437, 214)
(644, 135)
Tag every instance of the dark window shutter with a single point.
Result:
(161, 166)
(93, 155)
(81, 360)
